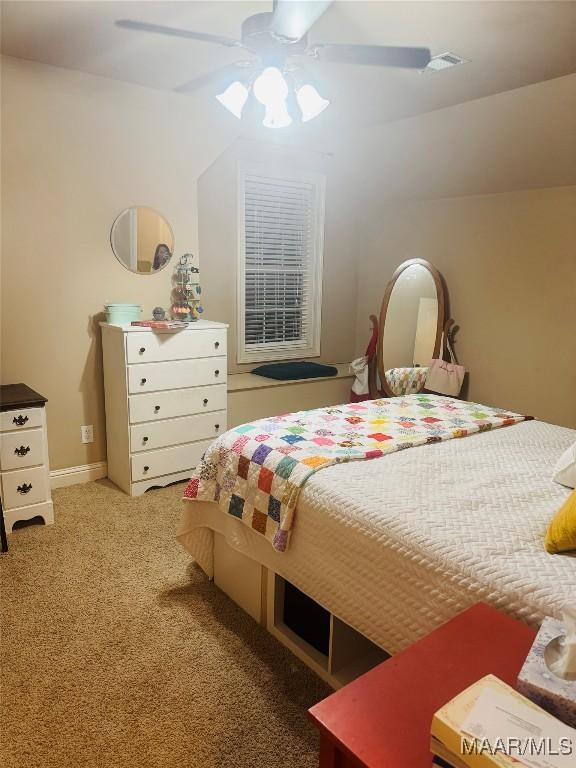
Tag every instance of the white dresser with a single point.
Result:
(165, 400)
(24, 466)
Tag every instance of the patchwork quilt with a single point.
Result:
(406, 381)
(255, 471)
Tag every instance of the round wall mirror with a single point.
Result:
(142, 240)
(411, 324)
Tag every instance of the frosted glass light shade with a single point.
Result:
(310, 102)
(270, 87)
(277, 116)
(234, 98)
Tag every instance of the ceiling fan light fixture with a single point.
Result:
(310, 102)
(234, 98)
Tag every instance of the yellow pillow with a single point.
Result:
(561, 533)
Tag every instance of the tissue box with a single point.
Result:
(538, 683)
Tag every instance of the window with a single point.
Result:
(281, 229)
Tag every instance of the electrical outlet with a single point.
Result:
(87, 433)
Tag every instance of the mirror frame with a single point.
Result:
(161, 215)
(439, 284)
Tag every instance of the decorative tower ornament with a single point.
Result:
(186, 290)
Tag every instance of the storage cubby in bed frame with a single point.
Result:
(332, 648)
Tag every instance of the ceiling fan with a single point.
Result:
(276, 73)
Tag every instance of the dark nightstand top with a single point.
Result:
(14, 396)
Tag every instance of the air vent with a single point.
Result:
(444, 61)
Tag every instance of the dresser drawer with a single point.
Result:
(204, 426)
(177, 402)
(179, 345)
(176, 375)
(24, 486)
(167, 460)
(22, 419)
(21, 449)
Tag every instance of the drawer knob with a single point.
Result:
(205, 401)
(24, 488)
(20, 420)
(144, 439)
(216, 344)
(156, 408)
(22, 451)
(142, 350)
(146, 468)
(216, 373)
(142, 381)
(217, 426)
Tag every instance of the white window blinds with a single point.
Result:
(280, 266)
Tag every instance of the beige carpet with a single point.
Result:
(117, 651)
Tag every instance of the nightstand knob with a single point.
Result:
(142, 350)
(25, 488)
(142, 381)
(20, 420)
(144, 439)
(156, 408)
(205, 401)
(217, 426)
(146, 468)
(216, 373)
(216, 344)
(22, 451)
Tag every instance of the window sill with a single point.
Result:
(238, 382)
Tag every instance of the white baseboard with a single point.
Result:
(59, 478)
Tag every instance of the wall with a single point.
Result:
(509, 261)
(77, 150)
(217, 202)
(486, 191)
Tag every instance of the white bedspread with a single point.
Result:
(397, 545)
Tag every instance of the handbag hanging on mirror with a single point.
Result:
(445, 378)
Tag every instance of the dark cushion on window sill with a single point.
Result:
(295, 370)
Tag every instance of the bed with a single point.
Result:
(399, 544)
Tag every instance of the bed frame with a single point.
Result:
(346, 653)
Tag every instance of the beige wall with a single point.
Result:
(509, 261)
(217, 202)
(77, 150)
(484, 190)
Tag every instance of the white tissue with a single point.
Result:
(562, 660)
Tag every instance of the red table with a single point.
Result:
(382, 719)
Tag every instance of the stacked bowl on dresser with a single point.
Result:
(165, 400)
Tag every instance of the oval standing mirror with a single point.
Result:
(142, 240)
(411, 324)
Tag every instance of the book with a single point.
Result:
(465, 732)
(160, 323)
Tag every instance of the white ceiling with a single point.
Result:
(510, 44)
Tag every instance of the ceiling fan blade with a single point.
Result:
(376, 55)
(293, 18)
(219, 78)
(143, 26)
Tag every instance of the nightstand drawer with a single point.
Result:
(167, 460)
(177, 345)
(177, 402)
(20, 419)
(179, 374)
(25, 486)
(146, 437)
(21, 449)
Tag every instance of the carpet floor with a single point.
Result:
(116, 650)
